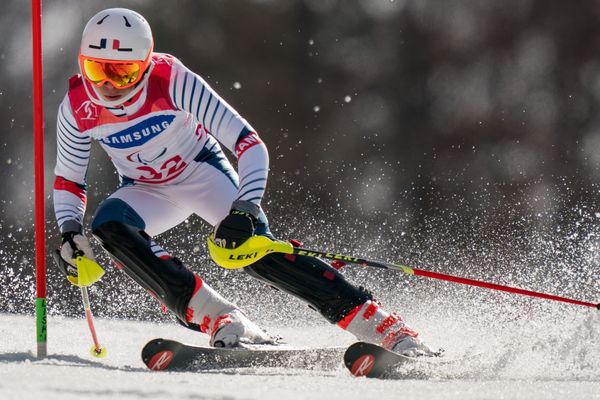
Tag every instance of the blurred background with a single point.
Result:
(456, 136)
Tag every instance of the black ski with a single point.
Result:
(372, 361)
(170, 355)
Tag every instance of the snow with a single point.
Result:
(519, 370)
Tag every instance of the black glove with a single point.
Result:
(74, 245)
(238, 226)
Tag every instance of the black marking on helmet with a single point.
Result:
(101, 46)
(117, 46)
(102, 20)
(127, 24)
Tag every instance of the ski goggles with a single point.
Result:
(122, 74)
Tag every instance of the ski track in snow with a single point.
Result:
(70, 372)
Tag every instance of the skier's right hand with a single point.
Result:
(76, 246)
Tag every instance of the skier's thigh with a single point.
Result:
(154, 205)
(210, 192)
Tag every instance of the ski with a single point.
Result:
(171, 355)
(373, 361)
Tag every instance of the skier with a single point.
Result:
(161, 125)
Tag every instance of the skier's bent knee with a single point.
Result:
(166, 278)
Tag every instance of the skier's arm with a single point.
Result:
(191, 93)
(69, 195)
(72, 158)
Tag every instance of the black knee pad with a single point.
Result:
(168, 279)
(311, 280)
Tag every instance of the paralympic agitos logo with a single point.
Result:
(140, 133)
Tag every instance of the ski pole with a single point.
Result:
(436, 275)
(88, 272)
(96, 350)
(85, 269)
(257, 247)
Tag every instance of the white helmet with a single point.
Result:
(117, 34)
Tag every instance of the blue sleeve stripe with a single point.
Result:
(62, 219)
(262, 189)
(64, 124)
(65, 207)
(62, 205)
(253, 199)
(183, 89)
(199, 103)
(60, 140)
(67, 160)
(212, 117)
(254, 172)
(74, 145)
(221, 120)
(206, 110)
(75, 169)
(70, 159)
(253, 181)
(63, 213)
(62, 129)
(68, 138)
(68, 216)
(81, 162)
(85, 156)
(174, 93)
(74, 134)
(231, 116)
(64, 117)
(192, 97)
(213, 146)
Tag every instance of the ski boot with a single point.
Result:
(210, 313)
(372, 324)
(234, 329)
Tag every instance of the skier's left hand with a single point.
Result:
(238, 226)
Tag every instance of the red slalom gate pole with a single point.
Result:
(38, 151)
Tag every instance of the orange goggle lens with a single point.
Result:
(120, 74)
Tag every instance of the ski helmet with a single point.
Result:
(116, 34)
